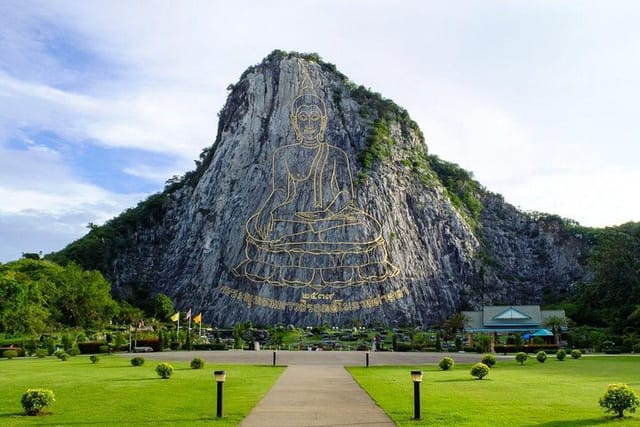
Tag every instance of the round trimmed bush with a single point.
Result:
(489, 360)
(619, 398)
(74, 351)
(34, 401)
(197, 363)
(561, 355)
(137, 361)
(446, 363)
(521, 357)
(164, 370)
(576, 354)
(479, 370)
(9, 354)
(94, 358)
(41, 353)
(541, 356)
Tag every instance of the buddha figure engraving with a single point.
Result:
(308, 232)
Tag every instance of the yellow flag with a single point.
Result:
(198, 318)
(175, 317)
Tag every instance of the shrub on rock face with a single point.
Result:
(164, 370)
(446, 363)
(619, 398)
(9, 354)
(197, 363)
(489, 360)
(541, 356)
(479, 370)
(576, 354)
(521, 357)
(34, 401)
(561, 354)
(137, 361)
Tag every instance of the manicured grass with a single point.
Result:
(547, 394)
(114, 393)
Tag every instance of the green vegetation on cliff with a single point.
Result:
(612, 297)
(97, 248)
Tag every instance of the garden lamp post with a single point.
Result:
(274, 358)
(367, 359)
(220, 377)
(416, 377)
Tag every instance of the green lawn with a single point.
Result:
(114, 393)
(559, 394)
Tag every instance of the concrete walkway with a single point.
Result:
(316, 395)
(315, 389)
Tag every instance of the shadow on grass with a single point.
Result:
(459, 380)
(117, 380)
(575, 423)
(169, 421)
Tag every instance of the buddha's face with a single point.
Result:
(309, 122)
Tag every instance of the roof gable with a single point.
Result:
(511, 314)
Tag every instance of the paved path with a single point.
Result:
(316, 395)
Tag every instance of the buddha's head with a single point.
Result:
(308, 114)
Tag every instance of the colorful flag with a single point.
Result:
(198, 318)
(176, 317)
(188, 316)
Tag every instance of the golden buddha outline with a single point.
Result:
(308, 233)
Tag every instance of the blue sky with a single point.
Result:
(102, 101)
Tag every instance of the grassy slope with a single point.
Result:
(113, 393)
(549, 394)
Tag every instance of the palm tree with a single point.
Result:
(555, 323)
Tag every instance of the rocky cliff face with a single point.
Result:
(328, 218)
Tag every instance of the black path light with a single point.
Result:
(274, 358)
(416, 377)
(367, 359)
(220, 377)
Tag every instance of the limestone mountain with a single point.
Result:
(319, 203)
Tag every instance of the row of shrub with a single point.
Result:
(489, 360)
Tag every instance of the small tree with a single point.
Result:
(489, 360)
(197, 363)
(576, 354)
(10, 354)
(483, 342)
(541, 356)
(619, 398)
(521, 357)
(34, 401)
(479, 370)
(561, 354)
(164, 370)
(137, 361)
(446, 363)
